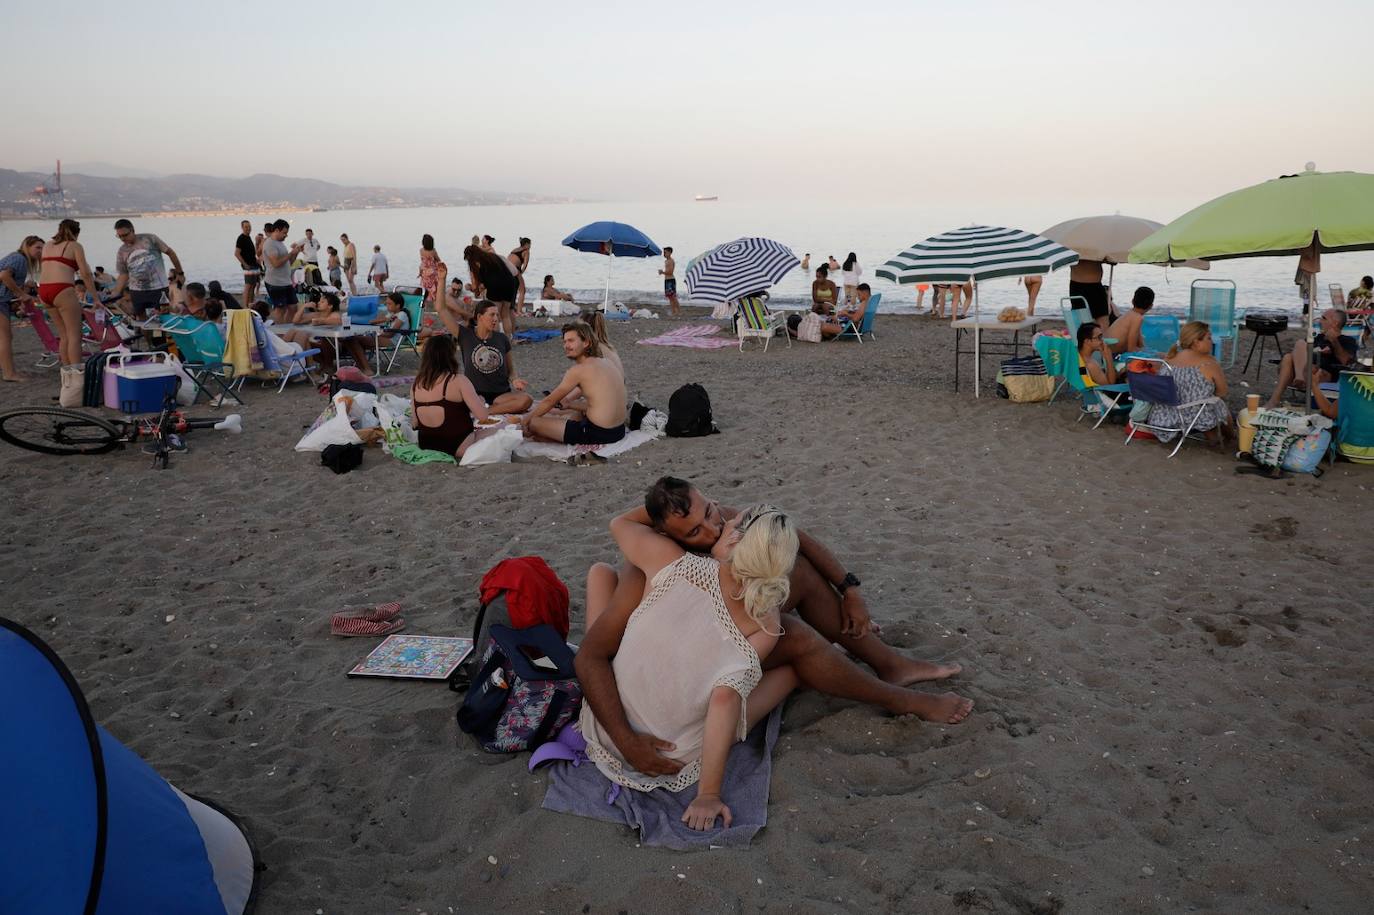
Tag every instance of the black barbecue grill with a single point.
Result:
(1265, 326)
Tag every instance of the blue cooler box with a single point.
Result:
(142, 388)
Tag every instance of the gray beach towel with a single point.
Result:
(582, 790)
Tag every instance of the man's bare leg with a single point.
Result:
(817, 603)
(817, 663)
(512, 402)
(1288, 373)
(824, 668)
(546, 428)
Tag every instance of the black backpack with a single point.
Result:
(689, 412)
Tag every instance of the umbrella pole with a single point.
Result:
(1311, 350)
(606, 302)
(977, 344)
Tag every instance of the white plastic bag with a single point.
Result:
(495, 448)
(362, 412)
(394, 414)
(186, 391)
(336, 430)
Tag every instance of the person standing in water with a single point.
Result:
(350, 263)
(670, 281)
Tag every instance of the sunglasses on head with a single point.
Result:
(749, 522)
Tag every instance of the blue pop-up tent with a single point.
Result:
(89, 827)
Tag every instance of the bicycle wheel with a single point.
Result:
(50, 430)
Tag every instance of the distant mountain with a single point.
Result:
(92, 194)
(108, 170)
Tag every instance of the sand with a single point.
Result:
(1170, 661)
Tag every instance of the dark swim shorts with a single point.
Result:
(669, 287)
(582, 432)
(1095, 293)
(281, 296)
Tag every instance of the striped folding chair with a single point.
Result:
(755, 320)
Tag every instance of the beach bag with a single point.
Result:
(1305, 455)
(689, 413)
(342, 458)
(1025, 380)
(809, 329)
(524, 690)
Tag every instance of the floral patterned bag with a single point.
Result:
(525, 689)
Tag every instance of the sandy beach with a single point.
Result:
(1170, 661)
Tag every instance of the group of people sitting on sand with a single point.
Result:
(825, 301)
(714, 617)
(468, 375)
(1197, 373)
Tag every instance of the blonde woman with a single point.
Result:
(1197, 375)
(62, 259)
(689, 666)
(18, 271)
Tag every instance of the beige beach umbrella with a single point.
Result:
(1108, 239)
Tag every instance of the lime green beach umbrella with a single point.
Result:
(1282, 216)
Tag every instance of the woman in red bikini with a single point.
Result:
(62, 259)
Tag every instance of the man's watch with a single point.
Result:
(849, 581)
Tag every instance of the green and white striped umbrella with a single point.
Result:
(976, 253)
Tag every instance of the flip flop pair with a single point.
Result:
(383, 619)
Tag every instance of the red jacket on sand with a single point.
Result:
(534, 593)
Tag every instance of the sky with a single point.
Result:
(1106, 106)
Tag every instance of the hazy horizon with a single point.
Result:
(994, 106)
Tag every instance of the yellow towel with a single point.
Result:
(240, 346)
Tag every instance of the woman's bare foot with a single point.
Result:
(946, 708)
(911, 671)
(15, 377)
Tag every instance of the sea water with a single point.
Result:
(205, 245)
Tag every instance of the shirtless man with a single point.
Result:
(822, 593)
(669, 281)
(350, 263)
(1126, 330)
(600, 383)
(1085, 282)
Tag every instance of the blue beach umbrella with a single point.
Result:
(737, 268)
(615, 239)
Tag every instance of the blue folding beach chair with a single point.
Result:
(1101, 400)
(407, 339)
(1161, 390)
(1160, 332)
(202, 355)
(1076, 314)
(1214, 303)
(283, 368)
(865, 325)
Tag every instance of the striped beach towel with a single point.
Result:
(693, 336)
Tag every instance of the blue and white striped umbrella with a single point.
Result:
(737, 268)
(976, 253)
